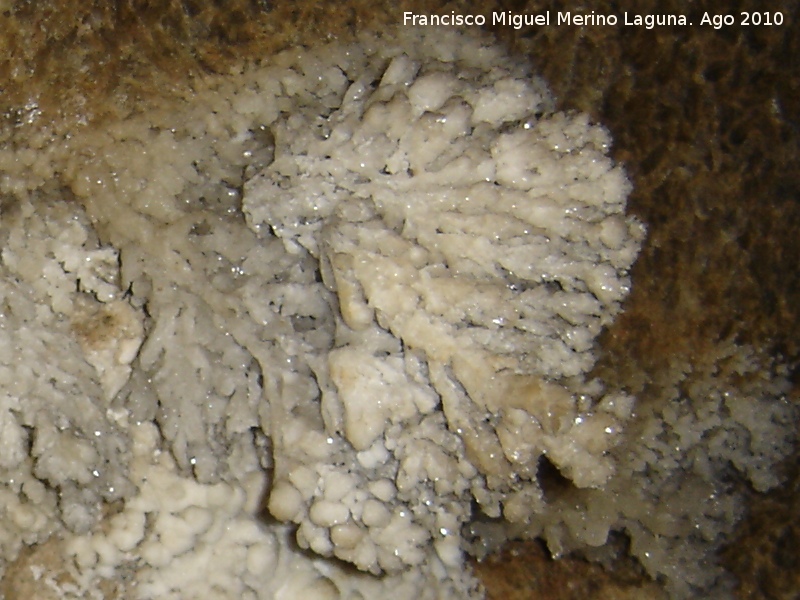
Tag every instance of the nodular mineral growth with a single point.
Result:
(367, 280)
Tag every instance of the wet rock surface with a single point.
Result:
(704, 120)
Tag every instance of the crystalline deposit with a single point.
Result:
(364, 282)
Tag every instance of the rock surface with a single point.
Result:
(705, 120)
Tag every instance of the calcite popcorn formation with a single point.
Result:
(364, 281)
(473, 245)
(56, 436)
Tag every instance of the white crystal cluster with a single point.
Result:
(357, 287)
(177, 538)
(474, 245)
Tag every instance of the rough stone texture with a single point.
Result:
(526, 570)
(767, 553)
(706, 122)
(42, 571)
